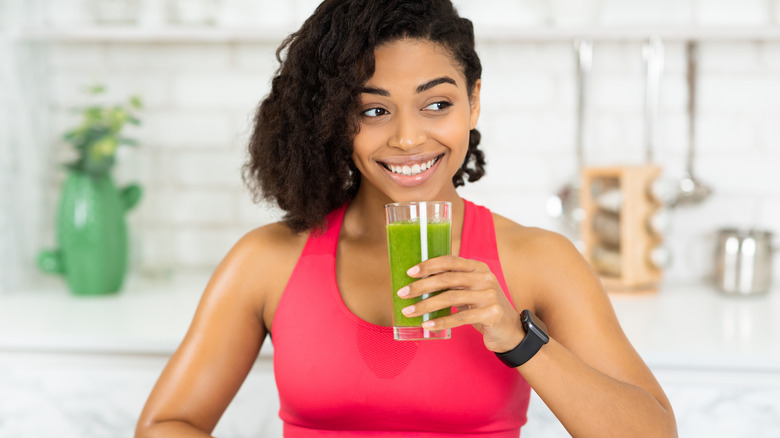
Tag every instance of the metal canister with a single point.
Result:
(743, 261)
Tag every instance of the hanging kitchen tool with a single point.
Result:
(690, 190)
(565, 205)
(664, 190)
(653, 55)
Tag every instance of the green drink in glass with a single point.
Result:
(416, 231)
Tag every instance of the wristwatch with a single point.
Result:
(535, 337)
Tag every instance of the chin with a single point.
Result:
(418, 196)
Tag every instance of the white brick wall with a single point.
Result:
(200, 99)
(733, 12)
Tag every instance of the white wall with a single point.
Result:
(200, 99)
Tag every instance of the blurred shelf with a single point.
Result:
(98, 34)
(153, 35)
(630, 34)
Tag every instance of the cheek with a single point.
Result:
(454, 134)
(361, 149)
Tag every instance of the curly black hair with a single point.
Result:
(301, 146)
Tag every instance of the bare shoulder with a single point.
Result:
(272, 241)
(260, 264)
(542, 266)
(265, 249)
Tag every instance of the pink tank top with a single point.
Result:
(339, 375)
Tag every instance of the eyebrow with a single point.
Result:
(424, 87)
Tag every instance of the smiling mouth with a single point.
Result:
(411, 169)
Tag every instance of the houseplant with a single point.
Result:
(91, 231)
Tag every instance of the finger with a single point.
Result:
(460, 299)
(436, 283)
(474, 280)
(442, 264)
(486, 316)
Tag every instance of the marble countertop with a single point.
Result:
(680, 327)
(695, 326)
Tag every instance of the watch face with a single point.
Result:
(535, 325)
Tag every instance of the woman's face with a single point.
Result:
(415, 119)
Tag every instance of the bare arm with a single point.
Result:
(588, 374)
(223, 341)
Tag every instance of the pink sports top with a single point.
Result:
(339, 375)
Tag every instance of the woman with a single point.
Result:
(377, 102)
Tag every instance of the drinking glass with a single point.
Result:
(416, 231)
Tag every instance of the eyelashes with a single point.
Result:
(439, 106)
(379, 111)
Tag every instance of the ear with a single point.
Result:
(474, 103)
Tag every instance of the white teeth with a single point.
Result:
(413, 169)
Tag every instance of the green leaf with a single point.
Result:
(96, 89)
(72, 135)
(93, 114)
(128, 141)
(97, 137)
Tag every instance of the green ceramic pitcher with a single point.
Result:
(91, 234)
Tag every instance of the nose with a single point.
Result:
(408, 132)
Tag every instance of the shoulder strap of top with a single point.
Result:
(325, 240)
(479, 235)
(478, 240)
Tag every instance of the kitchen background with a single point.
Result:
(200, 91)
(201, 67)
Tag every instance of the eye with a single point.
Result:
(375, 112)
(438, 106)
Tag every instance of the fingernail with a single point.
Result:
(413, 270)
(408, 310)
(428, 324)
(404, 291)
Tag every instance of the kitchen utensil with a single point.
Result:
(659, 256)
(663, 190)
(690, 190)
(607, 261)
(610, 200)
(607, 227)
(743, 261)
(564, 206)
(658, 223)
(653, 55)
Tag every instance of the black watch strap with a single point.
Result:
(535, 337)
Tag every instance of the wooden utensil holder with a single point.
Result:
(618, 204)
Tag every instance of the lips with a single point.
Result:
(408, 171)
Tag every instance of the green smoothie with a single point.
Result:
(404, 244)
